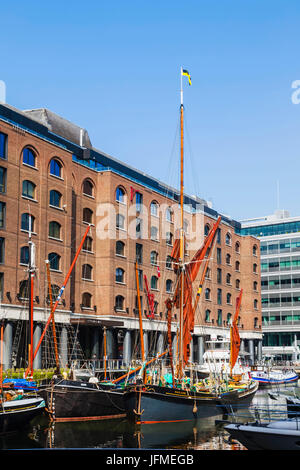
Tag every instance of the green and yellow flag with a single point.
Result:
(185, 72)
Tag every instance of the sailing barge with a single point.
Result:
(182, 399)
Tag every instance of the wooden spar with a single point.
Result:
(61, 290)
(115, 381)
(140, 311)
(181, 255)
(30, 345)
(234, 334)
(52, 316)
(104, 341)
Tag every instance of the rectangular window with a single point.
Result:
(3, 145)
(219, 258)
(138, 201)
(139, 253)
(219, 321)
(219, 276)
(1, 285)
(2, 179)
(2, 250)
(2, 214)
(219, 297)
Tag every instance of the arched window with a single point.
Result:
(228, 239)
(28, 189)
(154, 233)
(120, 248)
(24, 255)
(228, 259)
(55, 168)
(169, 214)
(86, 300)
(237, 247)
(120, 275)
(87, 271)
(54, 261)
(254, 250)
(255, 268)
(207, 293)
(54, 230)
(169, 285)
(228, 278)
(153, 257)
(88, 188)
(228, 298)
(255, 304)
(29, 157)
(237, 265)
(255, 285)
(120, 221)
(154, 282)
(154, 208)
(206, 229)
(88, 244)
(237, 283)
(120, 195)
(27, 222)
(119, 302)
(169, 262)
(207, 316)
(87, 215)
(55, 198)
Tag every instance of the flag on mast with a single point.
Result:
(185, 72)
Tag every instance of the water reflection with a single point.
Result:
(203, 434)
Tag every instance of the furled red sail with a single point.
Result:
(235, 336)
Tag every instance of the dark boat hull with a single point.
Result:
(74, 400)
(154, 404)
(16, 414)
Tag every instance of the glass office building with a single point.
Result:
(279, 236)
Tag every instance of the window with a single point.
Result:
(207, 316)
(88, 244)
(3, 145)
(140, 279)
(219, 256)
(228, 298)
(254, 250)
(228, 239)
(55, 292)
(27, 222)
(237, 265)
(153, 258)
(88, 188)
(55, 168)
(55, 198)
(228, 259)
(139, 252)
(206, 230)
(237, 283)
(169, 214)
(2, 250)
(154, 233)
(29, 157)
(2, 179)
(120, 248)
(87, 215)
(219, 276)
(120, 221)
(154, 282)
(87, 272)
(1, 285)
(237, 247)
(169, 237)
(207, 293)
(219, 320)
(169, 285)
(54, 261)
(169, 262)
(219, 297)
(120, 195)
(255, 285)
(138, 201)
(24, 255)
(86, 300)
(228, 278)
(255, 304)
(154, 208)
(54, 230)
(28, 189)
(119, 302)
(229, 318)
(120, 275)
(2, 214)
(218, 235)
(23, 290)
(255, 268)
(138, 227)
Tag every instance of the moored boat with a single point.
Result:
(269, 377)
(17, 410)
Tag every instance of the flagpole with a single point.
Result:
(181, 89)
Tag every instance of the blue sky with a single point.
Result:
(114, 68)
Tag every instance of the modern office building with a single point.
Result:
(55, 184)
(279, 236)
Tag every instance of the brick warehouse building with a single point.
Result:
(55, 180)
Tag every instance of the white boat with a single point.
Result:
(266, 376)
(276, 435)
